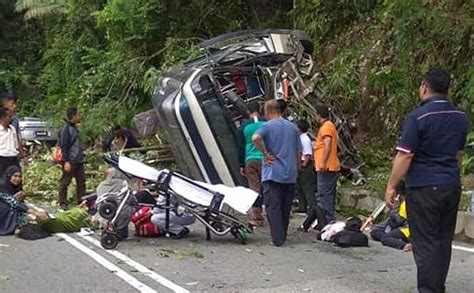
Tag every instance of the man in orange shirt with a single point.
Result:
(326, 162)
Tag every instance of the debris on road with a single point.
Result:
(165, 252)
(191, 283)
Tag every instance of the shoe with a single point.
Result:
(302, 229)
(181, 234)
(255, 223)
(85, 232)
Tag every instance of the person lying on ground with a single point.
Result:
(344, 234)
(13, 210)
(68, 221)
(177, 222)
(394, 231)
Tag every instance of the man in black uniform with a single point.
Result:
(429, 155)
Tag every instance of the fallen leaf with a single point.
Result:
(4, 278)
(248, 249)
(268, 273)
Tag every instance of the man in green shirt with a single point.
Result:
(250, 159)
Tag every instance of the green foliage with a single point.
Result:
(106, 55)
(373, 54)
(103, 56)
(41, 177)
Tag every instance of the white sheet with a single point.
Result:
(138, 169)
(239, 198)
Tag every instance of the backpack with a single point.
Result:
(143, 224)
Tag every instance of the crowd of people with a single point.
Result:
(281, 159)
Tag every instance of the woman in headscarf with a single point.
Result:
(13, 210)
(11, 181)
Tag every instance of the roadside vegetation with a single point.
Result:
(105, 57)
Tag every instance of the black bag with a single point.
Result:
(33, 232)
(348, 238)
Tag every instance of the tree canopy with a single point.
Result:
(105, 55)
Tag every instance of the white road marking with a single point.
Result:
(108, 265)
(463, 248)
(139, 267)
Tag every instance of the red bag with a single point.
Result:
(143, 224)
(147, 229)
(143, 214)
(57, 155)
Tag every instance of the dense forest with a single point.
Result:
(105, 55)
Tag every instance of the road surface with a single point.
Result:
(73, 263)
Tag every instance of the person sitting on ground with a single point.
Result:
(13, 210)
(113, 184)
(124, 139)
(394, 231)
(177, 222)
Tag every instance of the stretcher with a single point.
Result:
(215, 206)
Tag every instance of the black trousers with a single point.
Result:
(395, 239)
(306, 188)
(278, 198)
(6, 162)
(77, 171)
(315, 214)
(378, 231)
(432, 215)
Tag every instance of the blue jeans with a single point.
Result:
(327, 193)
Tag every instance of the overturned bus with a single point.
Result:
(201, 104)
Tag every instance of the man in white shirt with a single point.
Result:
(306, 185)
(8, 142)
(8, 100)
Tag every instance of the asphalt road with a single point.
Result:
(71, 263)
